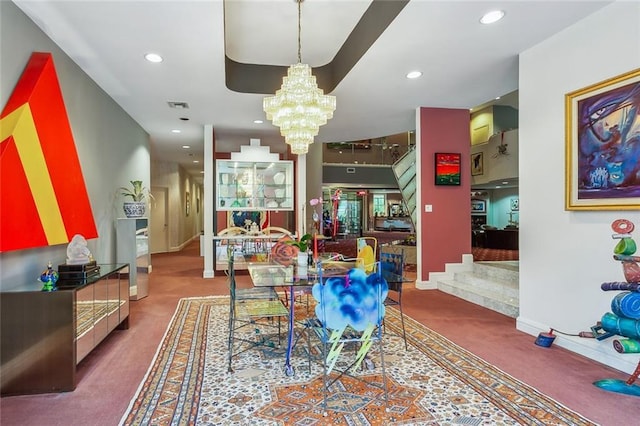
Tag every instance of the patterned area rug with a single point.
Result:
(435, 382)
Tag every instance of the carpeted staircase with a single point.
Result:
(493, 285)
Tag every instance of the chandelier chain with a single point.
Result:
(300, 107)
(299, 31)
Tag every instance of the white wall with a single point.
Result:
(112, 148)
(498, 166)
(566, 255)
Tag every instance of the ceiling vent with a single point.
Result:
(178, 105)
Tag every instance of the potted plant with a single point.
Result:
(137, 206)
(302, 243)
(303, 247)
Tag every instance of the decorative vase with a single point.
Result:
(134, 209)
(303, 258)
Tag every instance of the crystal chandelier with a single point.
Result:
(299, 108)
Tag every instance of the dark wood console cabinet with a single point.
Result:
(46, 334)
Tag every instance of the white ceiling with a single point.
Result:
(465, 64)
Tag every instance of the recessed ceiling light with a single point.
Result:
(491, 17)
(153, 57)
(202, 171)
(505, 183)
(196, 161)
(186, 146)
(497, 98)
(176, 131)
(414, 74)
(258, 121)
(498, 187)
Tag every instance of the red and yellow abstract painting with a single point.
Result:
(43, 197)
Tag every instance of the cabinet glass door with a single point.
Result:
(254, 185)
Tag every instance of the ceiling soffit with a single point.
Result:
(265, 79)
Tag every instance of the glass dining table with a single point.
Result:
(292, 278)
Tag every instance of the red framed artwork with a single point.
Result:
(447, 167)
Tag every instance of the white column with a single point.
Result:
(208, 203)
(301, 195)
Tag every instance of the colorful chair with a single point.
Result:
(349, 311)
(392, 266)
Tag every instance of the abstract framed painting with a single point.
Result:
(477, 164)
(447, 167)
(602, 134)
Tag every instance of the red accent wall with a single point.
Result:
(445, 233)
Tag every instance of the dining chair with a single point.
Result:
(342, 265)
(392, 266)
(349, 311)
(254, 314)
(367, 249)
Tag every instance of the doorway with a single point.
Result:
(159, 232)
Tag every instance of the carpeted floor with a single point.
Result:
(481, 254)
(435, 382)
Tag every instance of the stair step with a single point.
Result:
(497, 298)
(506, 289)
(500, 272)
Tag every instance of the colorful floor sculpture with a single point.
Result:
(625, 319)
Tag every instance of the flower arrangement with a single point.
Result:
(316, 215)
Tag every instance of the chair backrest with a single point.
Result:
(232, 230)
(278, 230)
(367, 249)
(337, 267)
(353, 299)
(392, 262)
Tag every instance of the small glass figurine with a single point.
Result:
(49, 277)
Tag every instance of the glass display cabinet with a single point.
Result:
(254, 185)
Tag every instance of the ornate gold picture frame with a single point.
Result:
(602, 152)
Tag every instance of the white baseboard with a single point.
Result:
(598, 350)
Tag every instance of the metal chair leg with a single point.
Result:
(404, 333)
